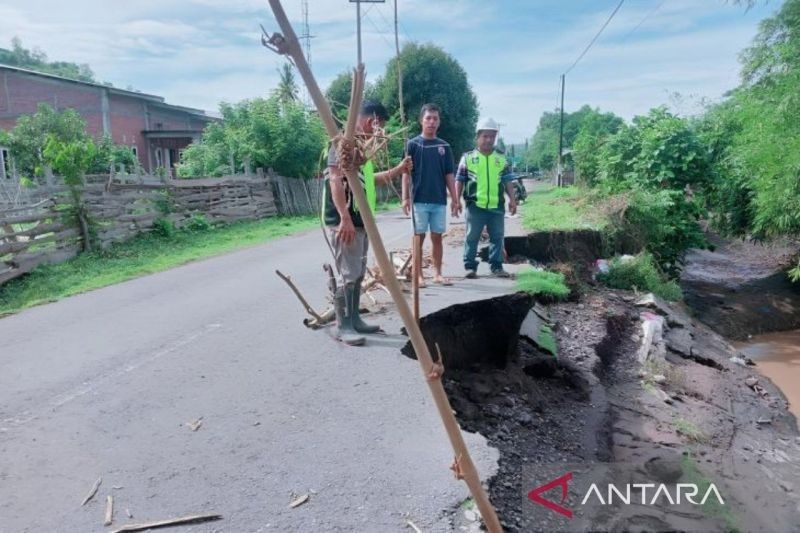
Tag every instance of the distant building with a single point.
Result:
(155, 130)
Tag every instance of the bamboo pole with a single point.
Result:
(463, 467)
(416, 253)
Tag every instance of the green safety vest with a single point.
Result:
(484, 185)
(368, 171)
(329, 214)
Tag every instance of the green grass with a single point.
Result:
(640, 273)
(690, 431)
(142, 255)
(542, 282)
(558, 209)
(712, 507)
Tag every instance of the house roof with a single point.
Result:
(152, 98)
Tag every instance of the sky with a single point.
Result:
(198, 53)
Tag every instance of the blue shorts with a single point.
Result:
(431, 217)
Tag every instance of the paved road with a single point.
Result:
(103, 384)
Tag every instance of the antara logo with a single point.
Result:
(635, 492)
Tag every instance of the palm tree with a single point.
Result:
(287, 90)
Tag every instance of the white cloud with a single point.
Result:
(198, 52)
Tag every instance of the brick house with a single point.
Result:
(155, 130)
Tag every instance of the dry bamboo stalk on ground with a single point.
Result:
(109, 510)
(300, 297)
(463, 466)
(92, 491)
(192, 519)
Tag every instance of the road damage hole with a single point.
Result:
(529, 403)
(484, 332)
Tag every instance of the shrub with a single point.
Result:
(198, 222)
(640, 273)
(664, 222)
(163, 227)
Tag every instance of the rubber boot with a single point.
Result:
(346, 333)
(358, 324)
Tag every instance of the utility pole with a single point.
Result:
(560, 169)
(358, 20)
(306, 37)
(399, 69)
(525, 156)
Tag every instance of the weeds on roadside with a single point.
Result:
(640, 273)
(542, 282)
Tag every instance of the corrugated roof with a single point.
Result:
(133, 94)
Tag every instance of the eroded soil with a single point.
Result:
(693, 416)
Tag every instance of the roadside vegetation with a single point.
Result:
(553, 209)
(146, 254)
(639, 273)
(736, 165)
(542, 282)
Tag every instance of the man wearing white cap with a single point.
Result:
(482, 177)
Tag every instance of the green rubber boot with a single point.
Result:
(358, 324)
(344, 319)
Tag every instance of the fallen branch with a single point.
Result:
(309, 309)
(109, 511)
(193, 519)
(325, 318)
(92, 491)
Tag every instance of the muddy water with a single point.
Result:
(778, 358)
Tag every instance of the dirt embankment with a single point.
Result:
(688, 412)
(741, 288)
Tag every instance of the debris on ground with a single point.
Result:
(92, 491)
(195, 424)
(109, 518)
(184, 520)
(297, 502)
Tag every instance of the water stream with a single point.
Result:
(778, 357)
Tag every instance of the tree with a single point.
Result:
(543, 150)
(654, 162)
(595, 129)
(756, 135)
(287, 89)
(27, 141)
(28, 138)
(338, 94)
(35, 59)
(71, 160)
(262, 133)
(432, 75)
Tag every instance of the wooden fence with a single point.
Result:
(37, 227)
(41, 230)
(304, 197)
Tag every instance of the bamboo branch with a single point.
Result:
(109, 511)
(310, 310)
(463, 459)
(92, 491)
(193, 519)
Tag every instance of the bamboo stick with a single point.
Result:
(463, 467)
(290, 283)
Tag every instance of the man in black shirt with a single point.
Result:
(429, 184)
(348, 236)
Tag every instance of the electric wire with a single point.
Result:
(595, 37)
(647, 16)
